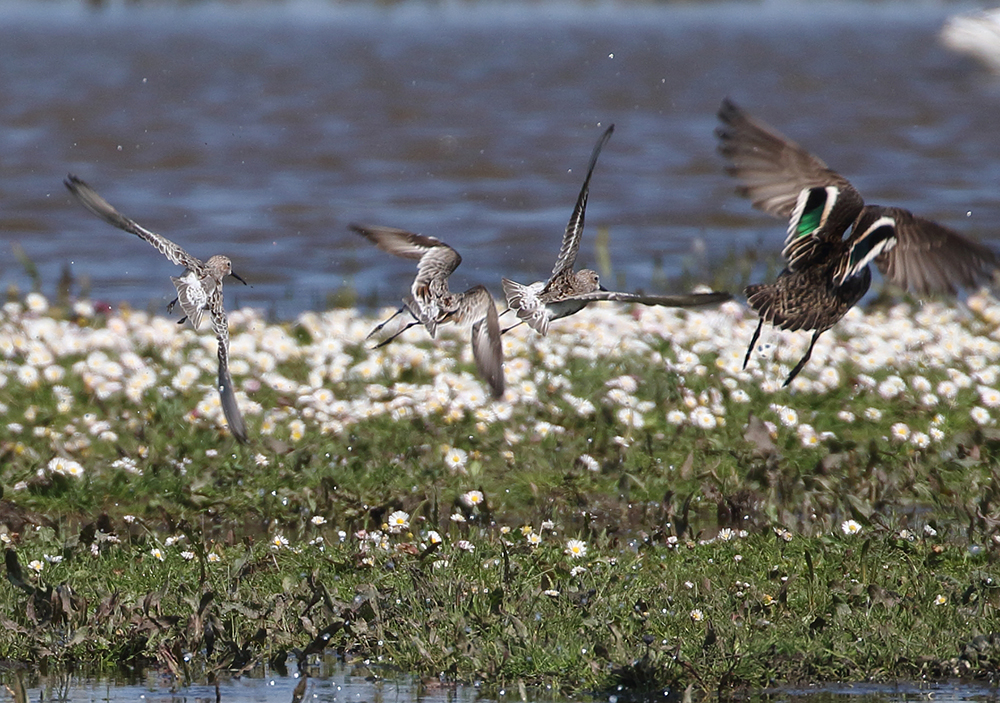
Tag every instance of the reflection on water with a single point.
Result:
(327, 681)
(262, 131)
(333, 682)
(882, 693)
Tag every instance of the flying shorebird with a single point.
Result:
(826, 274)
(432, 304)
(567, 291)
(199, 290)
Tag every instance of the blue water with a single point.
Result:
(338, 683)
(261, 130)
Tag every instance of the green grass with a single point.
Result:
(716, 557)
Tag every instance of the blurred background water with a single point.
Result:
(260, 130)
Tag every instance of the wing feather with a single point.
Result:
(89, 198)
(435, 259)
(674, 301)
(487, 349)
(773, 169)
(574, 230)
(227, 392)
(931, 258)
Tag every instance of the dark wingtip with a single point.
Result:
(729, 110)
(72, 182)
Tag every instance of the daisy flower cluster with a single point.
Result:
(912, 374)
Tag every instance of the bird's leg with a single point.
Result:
(386, 341)
(753, 341)
(383, 324)
(802, 362)
(512, 326)
(170, 308)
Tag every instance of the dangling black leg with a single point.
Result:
(512, 326)
(170, 308)
(386, 341)
(753, 341)
(383, 324)
(802, 362)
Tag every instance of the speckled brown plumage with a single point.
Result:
(827, 274)
(432, 303)
(567, 292)
(199, 290)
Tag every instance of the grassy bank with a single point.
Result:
(637, 511)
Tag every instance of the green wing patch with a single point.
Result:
(812, 212)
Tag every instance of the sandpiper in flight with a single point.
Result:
(198, 290)
(567, 291)
(431, 302)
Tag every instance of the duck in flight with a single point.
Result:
(826, 274)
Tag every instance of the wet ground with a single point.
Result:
(261, 131)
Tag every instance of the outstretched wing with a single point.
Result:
(89, 198)
(774, 170)
(673, 301)
(477, 305)
(931, 258)
(574, 230)
(783, 179)
(436, 260)
(227, 392)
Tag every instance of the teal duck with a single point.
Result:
(826, 273)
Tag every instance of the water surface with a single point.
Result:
(339, 683)
(261, 131)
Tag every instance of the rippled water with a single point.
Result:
(337, 683)
(261, 131)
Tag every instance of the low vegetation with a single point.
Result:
(638, 512)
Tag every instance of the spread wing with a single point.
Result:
(89, 198)
(436, 260)
(929, 257)
(574, 230)
(487, 349)
(227, 392)
(773, 169)
(674, 301)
